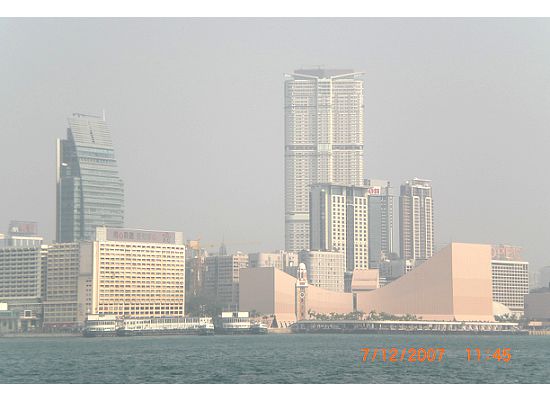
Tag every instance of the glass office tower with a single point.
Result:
(90, 192)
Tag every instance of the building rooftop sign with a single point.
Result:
(138, 235)
(374, 191)
(504, 252)
(23, 228)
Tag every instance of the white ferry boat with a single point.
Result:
(166, 326)
(100, 325)
(110, 325)
(232, 323)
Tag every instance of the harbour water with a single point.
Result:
(283, 358)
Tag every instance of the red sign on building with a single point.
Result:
(506, 253)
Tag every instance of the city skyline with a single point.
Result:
(363, 196)
(151, 167)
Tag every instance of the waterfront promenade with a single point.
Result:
(412, 327)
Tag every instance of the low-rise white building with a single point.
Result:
(325, 269)
(279, 259)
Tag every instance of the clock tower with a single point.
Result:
(301, 293)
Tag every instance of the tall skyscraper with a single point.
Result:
(416, 221)
(90, 192)
(324, 137)
(339, 222)
(380, 220)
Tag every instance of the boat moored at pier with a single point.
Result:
(238, 322)
(109, 325)
(166, 326)
(100, 325)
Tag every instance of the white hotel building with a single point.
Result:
(138, 273)
(510, 277)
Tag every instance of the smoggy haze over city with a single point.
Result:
(195, 108)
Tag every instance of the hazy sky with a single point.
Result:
(195, 108)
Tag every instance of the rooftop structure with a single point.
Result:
(21, 234)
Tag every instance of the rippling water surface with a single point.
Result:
(274, 358)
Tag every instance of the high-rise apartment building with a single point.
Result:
(380, 220)
(416, 220)
(221, 278)
(324, 138)
(339, 222)
(138, 273)
(90, 192)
